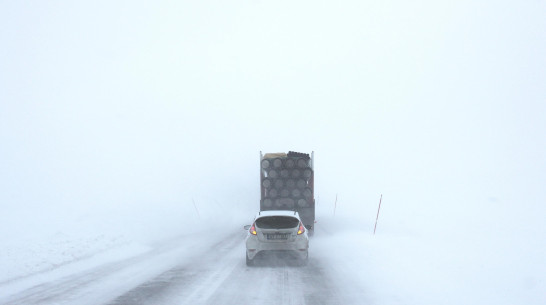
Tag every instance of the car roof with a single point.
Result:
(278, 213)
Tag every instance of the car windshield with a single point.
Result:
(277, 222)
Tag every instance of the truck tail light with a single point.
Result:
(301, 230)
(253, 229)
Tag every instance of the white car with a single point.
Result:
(277, 232)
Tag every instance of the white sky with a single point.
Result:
(132, 102)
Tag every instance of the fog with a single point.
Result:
(147, 119)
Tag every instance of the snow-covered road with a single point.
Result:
(185, 270)
(221, 277)
(347, 265)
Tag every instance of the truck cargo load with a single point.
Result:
(287, 183)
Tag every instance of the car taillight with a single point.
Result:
(253, 229)
(301, 229)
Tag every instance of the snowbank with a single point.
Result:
(412, 266)
(41, 240)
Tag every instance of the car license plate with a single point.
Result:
(277, 236)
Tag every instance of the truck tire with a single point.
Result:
(302, 203)
(273, 174)
(302, 163)
(273, 193)
(301, 183)
(296, 173)
(265, 164)
(266, 182)
(290, 183)
(268, 202)
(307, 193)
(277, 163)
(289, 163)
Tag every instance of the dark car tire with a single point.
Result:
(249, 262)
(304, 261)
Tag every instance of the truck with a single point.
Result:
(287, 182)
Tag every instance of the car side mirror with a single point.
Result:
(247, 227)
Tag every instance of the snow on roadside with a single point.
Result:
(43, 240)
(14, 286)
(29, 256)
(395, 267)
